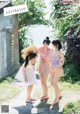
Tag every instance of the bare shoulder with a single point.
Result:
(61, 54)
(40, 48)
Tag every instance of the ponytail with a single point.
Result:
(26, 61)
(30, 56)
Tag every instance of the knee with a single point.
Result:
(43, 81)
(53, 83)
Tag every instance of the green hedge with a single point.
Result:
(71, 74)
(72, 108)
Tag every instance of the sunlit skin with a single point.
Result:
(43, 75)
(55, 78)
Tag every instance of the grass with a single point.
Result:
(65, 86)
(7, 89)
(72, 108)
(70, 86)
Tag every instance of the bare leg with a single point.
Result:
(56, 88)
(29, 91)
(43, 79)
(54, 82)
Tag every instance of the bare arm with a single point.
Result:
(61, 60)
(24, 74)
(51, 53)
(41, 54)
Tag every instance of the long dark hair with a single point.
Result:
(30, 56)
(47, 41)
(57, 43)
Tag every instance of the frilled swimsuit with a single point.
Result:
(55, 62)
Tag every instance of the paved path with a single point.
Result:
(17, 105)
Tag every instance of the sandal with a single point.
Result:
(43, 98)
(33, 99)
(30, 101)
(60, 97)
(54, 103)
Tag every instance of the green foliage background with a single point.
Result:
(64, 16)
(35, 15)
(72, 108)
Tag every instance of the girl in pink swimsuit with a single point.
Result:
(44, 66)
(56, 70)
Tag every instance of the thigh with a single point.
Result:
(57, 75)
(55, 79)
(44, 71)
(51, 74)
(41, 69)
(43, 78)
(59, 72)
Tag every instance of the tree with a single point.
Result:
(35, 15)
(64, 16)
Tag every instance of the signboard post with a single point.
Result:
(15, 10)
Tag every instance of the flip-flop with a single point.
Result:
(53, 105)
(33, 99)
(29, 102)
(44, 99)
(60, 97)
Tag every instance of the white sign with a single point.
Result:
(15, 10)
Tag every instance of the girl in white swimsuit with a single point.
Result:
(29, 74)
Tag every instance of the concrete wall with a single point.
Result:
(3, 54)
(9, 45)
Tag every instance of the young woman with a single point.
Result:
(29, 74)
(44, 66)
(56, 70)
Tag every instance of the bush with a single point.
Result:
(70, 73)
(72, 52)
(72, 108)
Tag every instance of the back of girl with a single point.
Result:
(29, 74)
(30, 68)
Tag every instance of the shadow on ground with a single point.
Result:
(37, 108)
